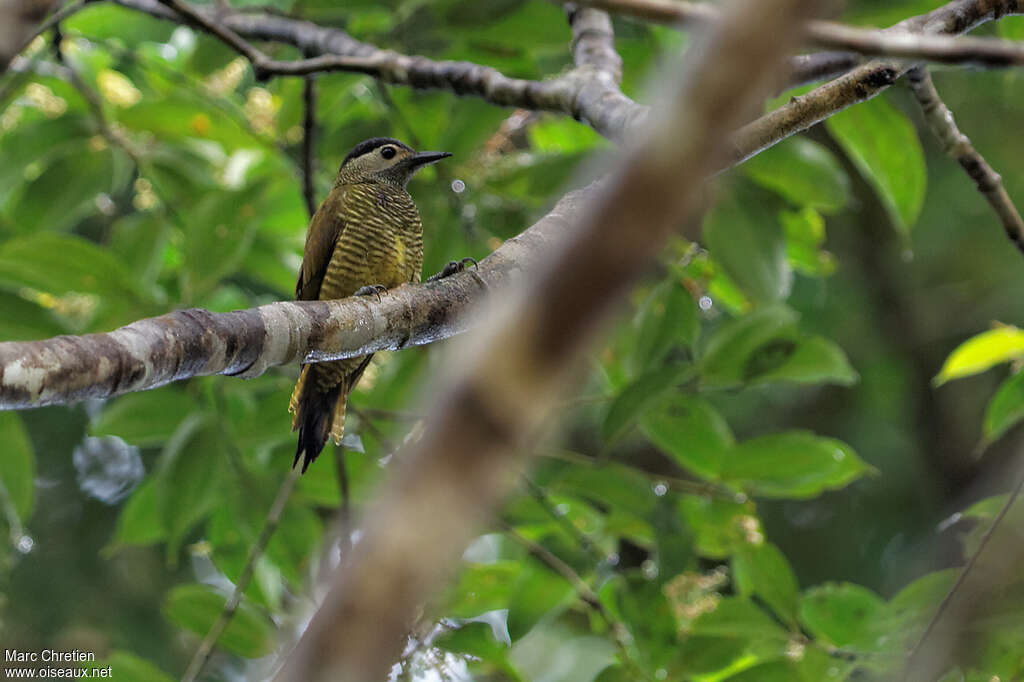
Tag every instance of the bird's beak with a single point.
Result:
(425, 158)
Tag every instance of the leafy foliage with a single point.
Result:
(711, 519)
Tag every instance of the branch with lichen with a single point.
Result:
(957, 145)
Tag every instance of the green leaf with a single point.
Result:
(803, 172)
(538, 594)
(763, 570)
(24, 320)
(805, 234)
(667, 318)
(66, 190)
(72, 264)
(731, 346)
(189, 478)
(813, 360)
(481, 588)
(748, 243)
(140, 521)
(196, 607)
(738, 617)
(981, 352)
(690, 430)
(295, 541)
(843, 614)
(221, 228)
(636, 397)
(554, 653)
(17, 465)
(884, 146)
(720, 526)
(912, 606)
(793, 465)
(1005, 409)
(147, 418)
(477, 639)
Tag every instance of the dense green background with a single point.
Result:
(750, 487)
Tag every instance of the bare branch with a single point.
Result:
(874, 42)
(498, 388)
(589, 92)
(940, 119)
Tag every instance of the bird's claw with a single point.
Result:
(371, 290)
(454, 267)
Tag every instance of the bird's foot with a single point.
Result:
(453, 267)
(371, 290)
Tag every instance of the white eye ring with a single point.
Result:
(387, 152)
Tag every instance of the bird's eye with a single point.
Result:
(388, 152)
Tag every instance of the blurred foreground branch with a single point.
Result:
(18, 19)
(493, 394)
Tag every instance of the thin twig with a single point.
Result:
(538, 493)
(957, 145)
(585, 592)
(962, 578)
(202, 655)
(308, 146)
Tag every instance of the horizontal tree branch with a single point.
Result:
(588, 92)
(866, 41)
(187, 343)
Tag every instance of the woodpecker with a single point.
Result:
(364, 238)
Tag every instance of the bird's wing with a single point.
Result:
(325, 228)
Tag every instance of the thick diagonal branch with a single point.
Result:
(494, 392)
(940, 120)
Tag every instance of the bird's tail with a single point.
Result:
(318, 413)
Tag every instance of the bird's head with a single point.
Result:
(385, 159)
